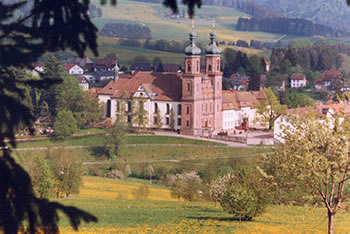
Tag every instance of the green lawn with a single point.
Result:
(118, 212)
(90, 140)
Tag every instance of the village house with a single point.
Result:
(297, 80)
(327, 111)
(74, 69)
(239, 81)
(239, 110)
(83, 82)
(329, 80)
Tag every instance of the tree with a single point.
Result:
(67, 169)
(219, 187)
(186, 185)
(140, 59)
(89, 110)
(172, 119)
(270, 109)
(111, 56)
(68, 94)
(158, 120)
(158, 64)
(41, 176)
(150, 172)
(65, 125)
(314, 158)
(115, 142)
(141, 113)
(296, 99)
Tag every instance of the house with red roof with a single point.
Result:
(74, 69)
(325, 111)
(297, 80)
(329, 80)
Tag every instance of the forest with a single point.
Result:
(131, 31)
(300, 27)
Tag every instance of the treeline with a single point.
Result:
(162, 45)
(316, 58)
(131, 31)
(291, 26)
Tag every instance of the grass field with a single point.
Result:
(112, 201)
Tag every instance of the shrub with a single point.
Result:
(187, 185)
(142, 192)
(241, 201)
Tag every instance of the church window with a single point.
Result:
(155, 107)
(167, 108)
(218, 65)
(211, 107)
(188, 87)
(188, 110)
(209, 67)
(179, 109)
(197, 66)
(129, 106)
(188, 66)
(179, 122)
(167, 120)
(187, 123)
(206, 107)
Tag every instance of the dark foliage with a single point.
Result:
(131, 31)
(290, 26)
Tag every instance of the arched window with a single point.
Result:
(108, 109)
(167, 108)
(188, 87)
(188, 66)
(155, 107)
(197, 66)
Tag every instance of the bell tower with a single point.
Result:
(191, 86)
(213, 70)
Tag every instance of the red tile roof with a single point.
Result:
(69, 66)
(298, 77)
(235, 100)
(166, 86)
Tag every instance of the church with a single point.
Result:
(190, 102)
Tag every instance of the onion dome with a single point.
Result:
(192, 49)
(213, 48)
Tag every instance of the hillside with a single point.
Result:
(333, 13)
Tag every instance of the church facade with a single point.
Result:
(190, 102)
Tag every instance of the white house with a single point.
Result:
(297, 80)
(239, 110)
(74, 69)
(83, 82)
(37, 69)
(324, 112)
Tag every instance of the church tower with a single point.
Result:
(213, 70)
(191, 83)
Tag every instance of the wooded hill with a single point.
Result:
(122, 30)
(300, 27)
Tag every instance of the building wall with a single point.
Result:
(76, 70)
(298, 83)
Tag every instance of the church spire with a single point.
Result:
(192, 49)
(212, 48)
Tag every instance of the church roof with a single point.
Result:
(165, 86)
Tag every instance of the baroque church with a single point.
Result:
(190, 102)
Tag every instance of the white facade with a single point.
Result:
(76, 70)
(37, 70)
(84, 86)
(150, 105)
(297, 83)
